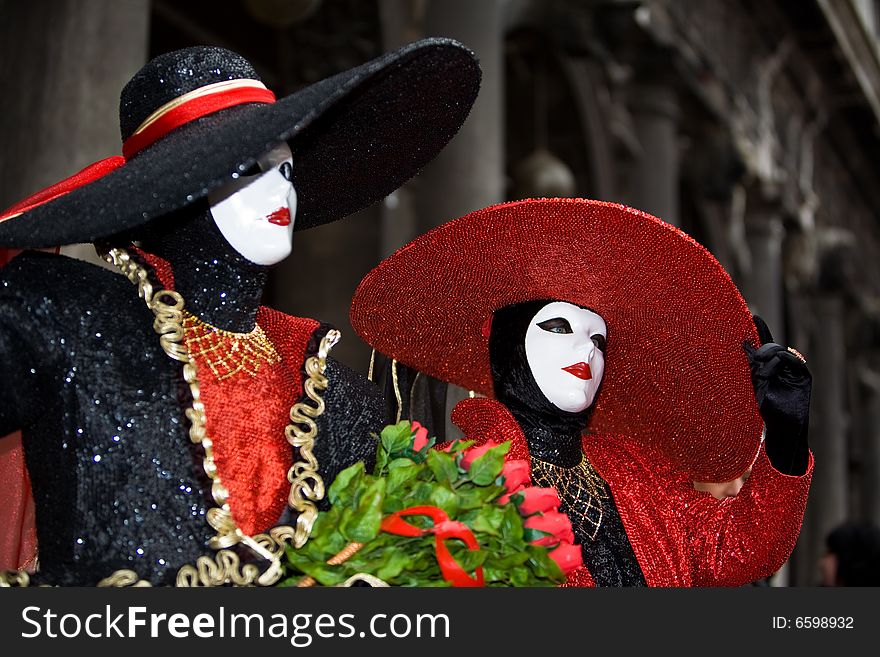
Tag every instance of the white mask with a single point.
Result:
(256, 213)
(563, 351)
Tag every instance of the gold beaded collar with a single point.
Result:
(227, 353)
(581, 491)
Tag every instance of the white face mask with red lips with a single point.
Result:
(565, 351)
(256, 213)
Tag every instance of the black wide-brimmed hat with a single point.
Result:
(196, 118)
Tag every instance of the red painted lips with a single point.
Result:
(281, 217)
(580, 370)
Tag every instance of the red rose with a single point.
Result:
(517, 474)
(538, 500)
(567, 557)
(473, 453)
(421, 436)
(554, 523)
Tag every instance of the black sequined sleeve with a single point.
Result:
(354, 411)
(24, 358)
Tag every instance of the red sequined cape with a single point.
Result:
(680, 536)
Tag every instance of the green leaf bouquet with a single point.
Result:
(463, 516)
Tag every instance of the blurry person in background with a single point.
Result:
(852, 557)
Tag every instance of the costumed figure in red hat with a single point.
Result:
(616, 354)
(174, 430)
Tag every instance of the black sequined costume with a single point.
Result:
(116, 481)
(101, 407)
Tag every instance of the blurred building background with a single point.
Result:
(753, 125)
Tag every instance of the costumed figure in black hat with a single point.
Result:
(174, 430)
(618, 356)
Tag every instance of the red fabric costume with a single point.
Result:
(681, 537)
(678, 401)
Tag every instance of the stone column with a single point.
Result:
(62, 66)
(828, 504)
(469, 173)
(654, 184)
(763, 284)
(712, 170)
(869, 484)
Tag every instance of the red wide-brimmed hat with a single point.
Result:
(676, 374)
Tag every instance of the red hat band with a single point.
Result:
(193, 105)
(188, 107)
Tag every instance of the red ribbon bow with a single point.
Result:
(443, 529)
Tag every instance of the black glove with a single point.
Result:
(782, 388)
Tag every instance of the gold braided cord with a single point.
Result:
(307, 487)
(396, 389)
(167, 307)
(14, 578)
(372, 580)
(372, 364)
(124, 578)
(225, 567)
